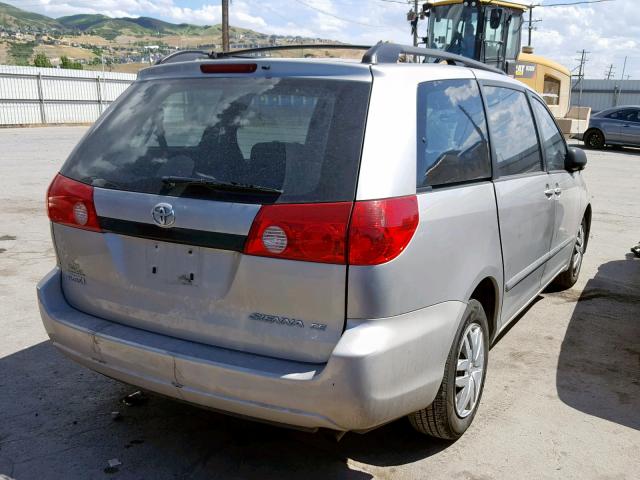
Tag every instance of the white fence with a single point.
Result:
(30, 95)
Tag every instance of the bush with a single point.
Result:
(65, 62)
(41, 60)
(21, 52)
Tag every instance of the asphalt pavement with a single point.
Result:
(562, 395)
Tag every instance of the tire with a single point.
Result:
(444, 418)
(594, 139)
(569, 277)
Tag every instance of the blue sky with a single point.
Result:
(610, 30)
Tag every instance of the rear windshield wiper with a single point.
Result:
(218, 185)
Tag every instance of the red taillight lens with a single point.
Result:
(381, 229)
(71, 203)
(228, 67)
(311, 232)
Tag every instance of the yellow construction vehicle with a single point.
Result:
(490, 31)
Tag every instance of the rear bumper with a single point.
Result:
(380, 369)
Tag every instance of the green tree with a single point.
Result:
(65, 62)
(41, 60)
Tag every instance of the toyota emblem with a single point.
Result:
(163, 215)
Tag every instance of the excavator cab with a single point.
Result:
(485, 31)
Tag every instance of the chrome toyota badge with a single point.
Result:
(163, 215)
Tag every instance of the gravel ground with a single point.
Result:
(562, 396)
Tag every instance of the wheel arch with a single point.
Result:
(487, 293)
(587, 217)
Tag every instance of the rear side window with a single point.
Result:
(513, 134)
(452, 134)
(555, 150)
(301, 136)
(619, 114)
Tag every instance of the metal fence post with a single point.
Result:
(43, 117)
(99, 91)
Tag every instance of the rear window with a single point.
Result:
(300, 136)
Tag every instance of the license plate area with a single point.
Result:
(173, 264)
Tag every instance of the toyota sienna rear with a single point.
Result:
(310, 243)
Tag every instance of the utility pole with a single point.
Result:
(415, 30)
(624, 68)
(583, 61)
(530, 24)
(225, 25)
(608, 75)
(531, 21)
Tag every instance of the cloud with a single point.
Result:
(609, 30)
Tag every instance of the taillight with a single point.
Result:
(314, 232)
(381, 229)
(377, 232)
(70, 202)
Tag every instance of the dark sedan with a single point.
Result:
(615, 126)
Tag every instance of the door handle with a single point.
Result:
(549, 193)
(557, 191)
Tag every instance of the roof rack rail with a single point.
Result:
(384, 52)
(194, 54)
(324, 46)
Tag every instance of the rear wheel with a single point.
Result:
(594, 139)
(569, 277)
(457, 400)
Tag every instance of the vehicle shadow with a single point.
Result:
(599, 364)
(618, 150)
(56, 421)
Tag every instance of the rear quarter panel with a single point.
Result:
(456, 245)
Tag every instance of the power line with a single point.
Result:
(324, 12)
(531, 21)
(583, 2)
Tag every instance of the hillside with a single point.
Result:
(97, 41)
(12, 17)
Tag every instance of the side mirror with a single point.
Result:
(575, 160)
(496, 17)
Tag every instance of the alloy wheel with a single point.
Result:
(596, 140)
(578, 252)
(470, 370)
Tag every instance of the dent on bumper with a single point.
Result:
(380, 369)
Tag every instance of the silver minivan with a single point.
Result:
(313, 243)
